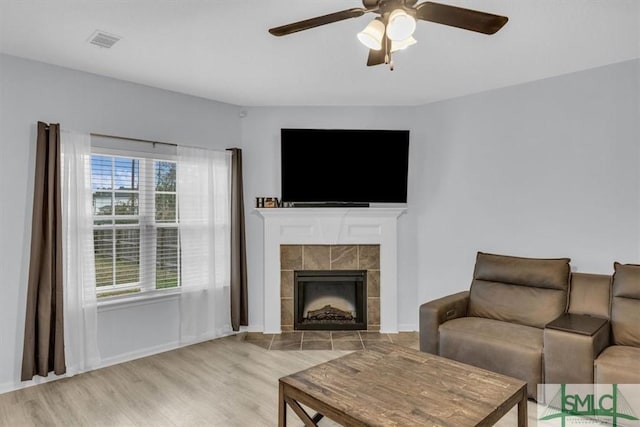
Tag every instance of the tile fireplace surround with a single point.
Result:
(351, 229)
(329, 258)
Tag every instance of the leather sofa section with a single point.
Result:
(618, 365)
(625, 306)
(507, 348)
(536, 272)
(528, 291)
(436, 312)
(590, 294)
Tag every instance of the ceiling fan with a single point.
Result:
(392, 30)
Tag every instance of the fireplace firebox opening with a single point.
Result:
(330, 300)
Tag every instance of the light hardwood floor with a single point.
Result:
(224, 382)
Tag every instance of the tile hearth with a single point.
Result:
(328, 340)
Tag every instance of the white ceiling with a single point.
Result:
(221, 49)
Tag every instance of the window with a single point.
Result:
(135, 224)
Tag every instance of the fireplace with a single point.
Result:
(330, 300)
(331, 239)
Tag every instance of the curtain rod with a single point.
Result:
(132, 139)
(104, 135)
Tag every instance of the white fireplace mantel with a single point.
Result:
(332, 226)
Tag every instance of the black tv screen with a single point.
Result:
(344, 166)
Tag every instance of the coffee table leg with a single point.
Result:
(522, 410)
(282, 407)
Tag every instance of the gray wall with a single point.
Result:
(545, 169)
(32, 91)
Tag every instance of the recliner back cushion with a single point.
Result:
(590, 294)
(625, 306)
(528, 291)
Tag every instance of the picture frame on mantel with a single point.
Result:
(267, 202)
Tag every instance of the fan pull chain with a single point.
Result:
(387, 54)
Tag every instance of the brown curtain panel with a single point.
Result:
(239, 300)
(43, 332)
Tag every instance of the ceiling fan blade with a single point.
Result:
(377, 57)
(316, 22)
(466, 19)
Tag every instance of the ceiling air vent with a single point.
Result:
(102, 39)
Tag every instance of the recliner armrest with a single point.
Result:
(436, 312)
(569, 357)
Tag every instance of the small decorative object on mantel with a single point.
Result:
(267, 202)
(271, 202)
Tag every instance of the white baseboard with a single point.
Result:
(150, 351)
(407, 327)
(137, 354)
(17, 385)
(402, 327)
(10, 386)
(253, 328)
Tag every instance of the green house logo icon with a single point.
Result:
(609, 407)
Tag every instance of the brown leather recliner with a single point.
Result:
(620, 363)
(498, 325)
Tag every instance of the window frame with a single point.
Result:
(146, 285)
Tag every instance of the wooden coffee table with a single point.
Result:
(389, 385)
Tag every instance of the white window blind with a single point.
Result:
(135, 222)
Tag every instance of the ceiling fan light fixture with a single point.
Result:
(372, 35)
(396, 23)
(402, 44)
(401, 25)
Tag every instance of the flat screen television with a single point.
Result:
(344, 167)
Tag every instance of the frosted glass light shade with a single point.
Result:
(402, 44)
(372, 35)
(401, 25)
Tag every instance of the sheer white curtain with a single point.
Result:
(203, 179)
(79, 279)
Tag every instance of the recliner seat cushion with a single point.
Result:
(508, 348)
(528, 291)
(618, 364)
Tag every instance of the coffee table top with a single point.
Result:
(390, 385)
